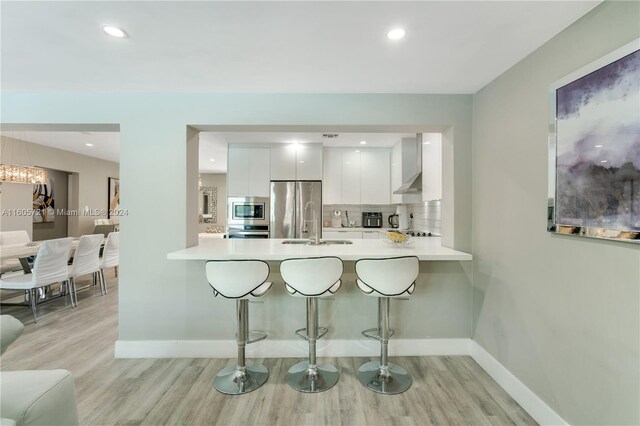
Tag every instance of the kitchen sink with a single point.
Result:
(322, 242)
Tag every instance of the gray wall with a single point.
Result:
(561, 313)
(57, 228)
(16, 196)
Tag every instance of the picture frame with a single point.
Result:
(594, 149)
(113, 200)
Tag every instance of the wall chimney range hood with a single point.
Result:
(411, 153)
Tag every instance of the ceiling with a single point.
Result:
(272, 47)
(106, 145)
(213, 145)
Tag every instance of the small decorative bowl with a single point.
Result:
(397, 243)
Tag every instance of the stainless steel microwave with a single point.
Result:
(248, 211)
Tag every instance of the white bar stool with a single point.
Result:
(385, 278)
(312, 278)
(241, 280)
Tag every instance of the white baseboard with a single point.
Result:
(536, 408)
(286, 348)
(532, 404)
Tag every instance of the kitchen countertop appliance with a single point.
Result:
(372, 219)
(336, 219)
(296, 209)
(248, 217)
(403, 217)
(393, 221)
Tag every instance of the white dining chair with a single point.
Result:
(86, 260)
(50, 267)
(12, 238)
(110, 256)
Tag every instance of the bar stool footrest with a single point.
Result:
(372, 333)
(254, 336)
(302, 332)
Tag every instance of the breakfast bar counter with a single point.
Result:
(439, 308)
(276, 249)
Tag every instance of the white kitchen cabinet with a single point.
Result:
(332, 177)
(396, 172)
(296, 162)
(237, 172)
(351, 176)
(341, 235)
(370, 235)
(432, 167)
(309, 161)
(259, 172)
(248, 172)
(283, 162)
(375, 180)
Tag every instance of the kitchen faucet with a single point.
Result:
(315, 240)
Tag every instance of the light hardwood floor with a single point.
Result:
(446, 390)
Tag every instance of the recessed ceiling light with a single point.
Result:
(302, 161)
(115, 31)
(88, 144)
(598, 146)
(426, 143)
(603, 161)
(363, 142)
(212, 159)
(396, 34)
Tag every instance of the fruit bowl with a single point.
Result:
(398, 239)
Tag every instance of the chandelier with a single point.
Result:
(22, 174)
(14, 173)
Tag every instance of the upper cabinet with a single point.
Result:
(332, 176)
(283, 162)
(350, 176)
(396, 172)
(375, 176)
(309, 161)
(248, 172)
(296, 162)
(432, 166)
(356, 176)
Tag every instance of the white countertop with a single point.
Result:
(273, 249)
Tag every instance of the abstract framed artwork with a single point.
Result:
(114, 196)
(44, 202)
(594, 149)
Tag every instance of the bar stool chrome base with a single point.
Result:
(232, 381)
(303, 379)
(393, 381)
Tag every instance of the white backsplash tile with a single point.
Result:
(426, 216)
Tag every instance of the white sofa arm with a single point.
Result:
(10, 330)
(38, 397)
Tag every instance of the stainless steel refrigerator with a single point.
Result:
(288, 215)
